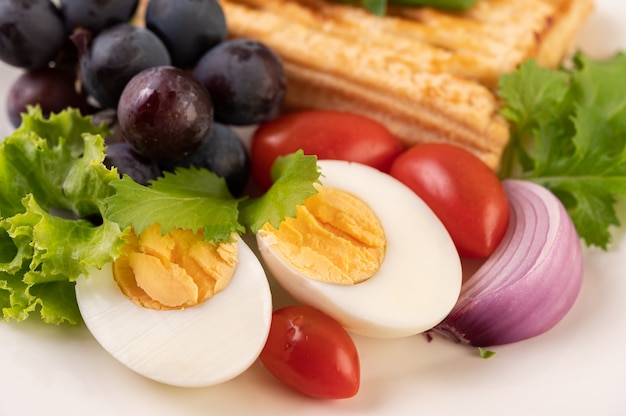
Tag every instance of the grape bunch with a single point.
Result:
(174, 82)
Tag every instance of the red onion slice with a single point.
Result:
(529, 283)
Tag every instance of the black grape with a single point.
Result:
(96, 15)
(114, 57)
(127, 161)
(245, 79)
(164, 113)
(108, 117)
(187, 27)
(52, 88)
(31, 33)
(223, 153)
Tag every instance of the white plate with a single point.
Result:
(577, 368)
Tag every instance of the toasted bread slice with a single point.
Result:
(428, 75)
(503, 33)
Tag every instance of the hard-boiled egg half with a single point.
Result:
(367, 251)
(179, 310)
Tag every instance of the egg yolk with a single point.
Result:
(175, 270)
(335, 238)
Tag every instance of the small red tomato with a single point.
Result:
(312, 353)
(464, 193)
(327, 134)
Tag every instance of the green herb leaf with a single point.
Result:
(569, 135)
(439, 4)
(484, 353)
(190, 198)
(50, 165)
(294, 177)
(379, 7)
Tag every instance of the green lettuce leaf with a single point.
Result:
(56, 301)
(294, 177)
(49, 166)
(569, 135)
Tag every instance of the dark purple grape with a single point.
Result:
(188, 28)
(245, 79)
(115, 56)
(108, 117)
(96, 15)
(53, 89)
(223, 153)
(31, 33)
(164, 113)
(127, 161)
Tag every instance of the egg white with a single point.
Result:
(199, 346)
(419, 280)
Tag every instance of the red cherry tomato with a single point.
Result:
(464, 193)
(312, 353)
(327, 134)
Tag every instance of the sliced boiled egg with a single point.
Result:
(178, 310)
(367, 251)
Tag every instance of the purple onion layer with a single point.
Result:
(529, 283)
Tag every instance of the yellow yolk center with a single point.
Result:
(335, 238)
(175, 270)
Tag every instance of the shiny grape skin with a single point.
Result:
(245, 79)
(96, 15)
(115, 56)
(223, 153)
(31, 33)
(52, 89)
(164, 113)
(127, 161)
(188, 28)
